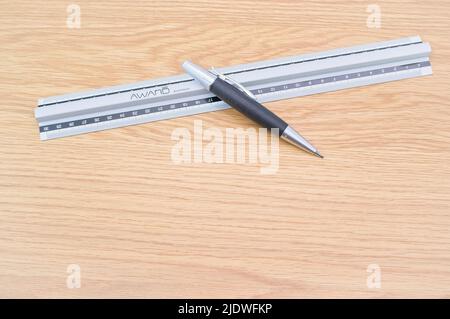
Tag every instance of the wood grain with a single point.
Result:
(138, 225)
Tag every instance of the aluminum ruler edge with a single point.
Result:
(269, 80)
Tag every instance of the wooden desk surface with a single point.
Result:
(138, 225)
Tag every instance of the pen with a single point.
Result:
(245, 102)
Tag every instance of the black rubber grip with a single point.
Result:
(246, 105)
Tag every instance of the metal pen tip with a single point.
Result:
(293, 137)
(317, 154)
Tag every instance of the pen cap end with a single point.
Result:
(186, 64)
(205, 77)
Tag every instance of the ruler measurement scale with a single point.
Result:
(212, 99)
(268, 80)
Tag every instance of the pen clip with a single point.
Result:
(232, 82)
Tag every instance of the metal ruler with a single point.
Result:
(272, 80)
